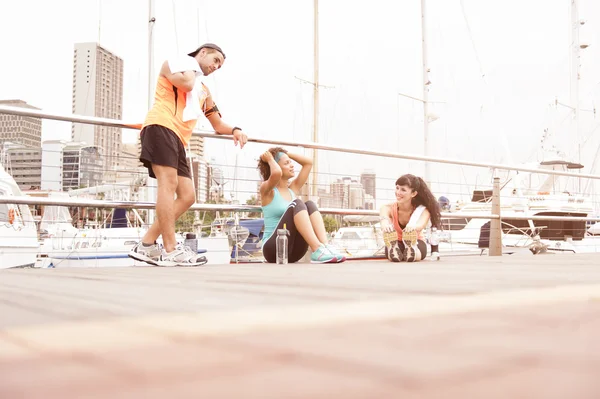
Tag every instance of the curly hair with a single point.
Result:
(263, 167)
(423, 197)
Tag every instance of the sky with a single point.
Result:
(496, 70)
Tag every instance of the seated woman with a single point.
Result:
(281, 207)
(404, 220)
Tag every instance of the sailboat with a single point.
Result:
(18, 234)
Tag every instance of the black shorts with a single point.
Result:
(161, 146)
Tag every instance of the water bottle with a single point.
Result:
(281, 245)
(434, 238)
(191, 241)
(434, 241)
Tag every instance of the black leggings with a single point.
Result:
(420, 244)
(297, 246)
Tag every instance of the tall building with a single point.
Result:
(23, 163)
(130, 166)
(82, 166)
(356, 195)
(346, 193)
(368, 181)
(67, 165)
(369, 202)
(327, 200)
(200, 177)
(197, 145)
(98, 91)
(337, 193)
(17, 129)
(216, 182)
(258, 196)
(52, 165)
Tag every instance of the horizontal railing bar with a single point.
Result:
(61, 201)
(88, 120)
(532, 218)
(207, 134)
(410, 157)
(553, 218)
(366, 212)
(26, 200)
(77, 202)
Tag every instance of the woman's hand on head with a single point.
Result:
(266, 156)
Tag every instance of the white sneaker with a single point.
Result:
(435, 256)
(181, 256)
(146, 254)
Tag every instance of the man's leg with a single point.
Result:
(161, 153)
(165, 207)
(182, 256)
(186, 195)
(185, 199)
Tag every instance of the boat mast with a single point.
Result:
(315, 136)
(151, 21)
(426, 83)
(151, 185)
(575, 70)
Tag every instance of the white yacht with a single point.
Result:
(526, 194)
(18, 234)
(362, 238)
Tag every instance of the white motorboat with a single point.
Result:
(18, 234)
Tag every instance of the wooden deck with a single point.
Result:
(464, 327)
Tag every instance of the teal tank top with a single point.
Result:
(274, 211)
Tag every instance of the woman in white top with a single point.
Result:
(404, 220)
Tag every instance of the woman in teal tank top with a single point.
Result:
(281, 207)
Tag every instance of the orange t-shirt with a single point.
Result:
(167, 110)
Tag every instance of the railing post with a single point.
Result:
(496, 224)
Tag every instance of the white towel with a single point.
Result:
(192, 108)
(414, 218)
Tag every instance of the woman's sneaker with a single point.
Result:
(181, 256)
(392, 249)
(322, 255)
(411, 251)
(409, 254)
(392, 252)
(149, 254)
(340, 257)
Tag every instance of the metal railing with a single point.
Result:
(76, 202)
(210, 134)
(495, 215)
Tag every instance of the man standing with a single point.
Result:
(180, 99)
